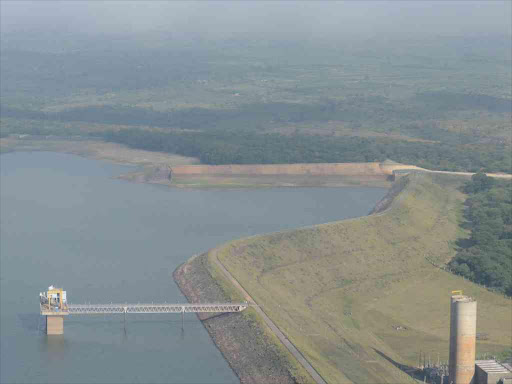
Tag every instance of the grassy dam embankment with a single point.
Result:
(357, 297)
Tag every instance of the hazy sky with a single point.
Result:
(263, 19)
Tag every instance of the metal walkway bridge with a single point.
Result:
(55, 314)
(93, 309)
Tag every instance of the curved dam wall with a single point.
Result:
(320, 169)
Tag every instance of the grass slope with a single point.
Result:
(338, 290)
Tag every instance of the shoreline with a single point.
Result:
(177, 171)
(156, 167)
(247, 347)
(234, 334)
(248, 359)
(97, 150)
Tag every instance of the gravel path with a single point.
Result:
(287, 343)
(243, 344)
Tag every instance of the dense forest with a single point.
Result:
(231, 147)
(430, 103)
(487, 258)
(248, 148)
(354, 110)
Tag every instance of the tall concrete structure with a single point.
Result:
(54, 305)
(54, 325)
(462, 340)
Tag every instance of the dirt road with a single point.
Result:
(287, 343)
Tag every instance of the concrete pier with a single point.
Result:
(54, 325)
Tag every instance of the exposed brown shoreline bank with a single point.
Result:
(310, 169)
(372, 174)
(185, 172)
(281, 175)
(173, 171)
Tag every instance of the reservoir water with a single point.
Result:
(66, 221)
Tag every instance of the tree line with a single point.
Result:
(253, 116)
(487, 258)
(220, 147)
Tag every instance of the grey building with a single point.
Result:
(492, 372)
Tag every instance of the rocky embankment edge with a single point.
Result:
(397, 187)
(242, 341)
(150, 175)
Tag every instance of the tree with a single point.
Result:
(479, 182)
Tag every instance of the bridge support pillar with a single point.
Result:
(54, 325)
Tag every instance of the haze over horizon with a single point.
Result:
(401, 109)
(261, 20)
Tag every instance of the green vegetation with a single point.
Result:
(297, 371)
(246, 148)
(487, 258)
(225, 147)
(265, 335)
(449, 101)
(255, 116)
(435, 103)
(341, 291)
(505, 355)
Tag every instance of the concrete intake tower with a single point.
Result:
(462, 340)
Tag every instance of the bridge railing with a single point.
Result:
(89, 309)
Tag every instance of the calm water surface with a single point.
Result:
(65, 221)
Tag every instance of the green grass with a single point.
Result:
(296, 370)
(337, 290)
(266, 336)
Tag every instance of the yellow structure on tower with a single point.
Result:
(53, 305)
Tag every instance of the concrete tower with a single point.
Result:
(462, 340)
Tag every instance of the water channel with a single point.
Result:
(66, 221)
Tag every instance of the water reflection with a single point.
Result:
(31, 322)
(55, 347)
(106, 240)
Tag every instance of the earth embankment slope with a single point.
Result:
(281, 175)
(357, 295)
(249, 347)
(375, 169)
(323, 169)
(378, 174)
